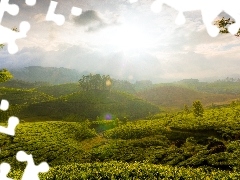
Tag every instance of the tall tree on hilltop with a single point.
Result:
(198, 109)
(95, 82)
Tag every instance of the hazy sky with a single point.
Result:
(127, 41)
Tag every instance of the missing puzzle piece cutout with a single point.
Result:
(76, 11)
(59, 19)
(30, 2)
(51, 16)
(12, 123)
(31, 171)
(4, 105)
(12, 9)
(9, 36)
(4, 170)
(209, 9)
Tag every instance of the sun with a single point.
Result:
(127, 38)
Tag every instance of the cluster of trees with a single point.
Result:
(197, 109)
(95, 82)
(5, 75)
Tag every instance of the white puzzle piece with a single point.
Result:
(31, 171)
(209, 9)
(12, 123)
(51, 16)
(7, 35)
(4, 170)
(4, 105)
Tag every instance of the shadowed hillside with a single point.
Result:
(92, 104)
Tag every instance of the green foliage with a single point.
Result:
(133, 130)
(125, 120)
(186, 109)
(180, 140)
(54, 142)
(12, 110)
(143, 85)
(19, 84)
(73, 150)
(95, 82)
(5, 75)
(228, 86)
(197, 109)
(122, 170)
(123, 86)
(103, 125)
(23, 96)
(59, 90)
(90, 104)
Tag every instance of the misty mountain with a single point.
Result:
(50, 75)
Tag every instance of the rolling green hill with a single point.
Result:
(23, 96)
(59, 90)
(177, 146)
(177, 97)
(19, 84)
(20, 98)
(46, 141)
(92, 104)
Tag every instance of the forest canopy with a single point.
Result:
(95, 82)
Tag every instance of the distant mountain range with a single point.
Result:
(50, 75)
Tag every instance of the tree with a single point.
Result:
(5, 75)
(95, 82)
(223, 25)
(197, 109)
(186, 109)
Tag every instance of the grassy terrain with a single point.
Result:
(46, 141)
(148, 144)
(122, 170)
(171, 146)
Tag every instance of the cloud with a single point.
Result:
(92, 20)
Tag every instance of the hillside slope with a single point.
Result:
(92, 104)
(46, 141)
(23, 96)
(173, 96)
(59, 90)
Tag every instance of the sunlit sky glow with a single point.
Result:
(127, 41)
